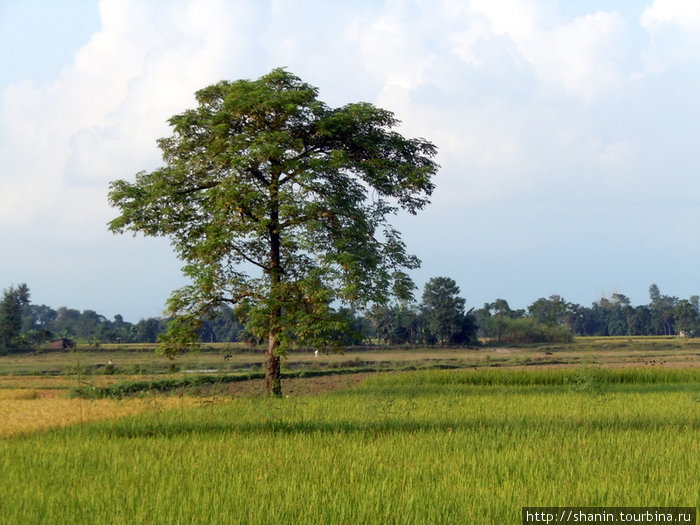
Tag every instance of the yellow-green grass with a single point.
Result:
(421, 447)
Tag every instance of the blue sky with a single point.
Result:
(568, 133)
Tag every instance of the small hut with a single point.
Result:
(62, 344)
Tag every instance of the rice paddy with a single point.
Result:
(427, 446)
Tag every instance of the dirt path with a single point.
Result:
(295, 387)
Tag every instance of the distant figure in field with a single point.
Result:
(316, 353)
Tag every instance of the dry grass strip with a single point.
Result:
(23, 411)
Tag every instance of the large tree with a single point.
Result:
(443, 309)
(551, 312)
(279, 205)
(662, 310)
(14, 301)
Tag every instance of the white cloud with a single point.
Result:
(99, 120)
(393, 49)
(685, 13)
(476, 77)
(582, 57)
(674, 31)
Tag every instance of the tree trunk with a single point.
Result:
(273, 373)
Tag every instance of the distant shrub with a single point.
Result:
(350, 363)
(526, 330)
(77, 370)
(140, 369)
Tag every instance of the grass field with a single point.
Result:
(426, 446)
(226, 357)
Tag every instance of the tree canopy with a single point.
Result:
(14, 300)
(444, 310)
(279, 205)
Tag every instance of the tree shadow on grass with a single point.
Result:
(173, 428)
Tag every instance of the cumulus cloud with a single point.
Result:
(674, 31)
(685, 13)
(483, 79)
(99, 120)
(582, 57)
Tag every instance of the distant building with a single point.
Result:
(62, 344)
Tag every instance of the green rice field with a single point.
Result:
(420, 447)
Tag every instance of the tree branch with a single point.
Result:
(248, 258)
(257, 175)
(308, 151)
(198, 188)
(239, 297)
(296, 221)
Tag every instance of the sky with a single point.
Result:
(567, 131)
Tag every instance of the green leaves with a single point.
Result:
(14, 300)
(280, 204)
(443, 308)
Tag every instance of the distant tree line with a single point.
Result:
(26, 325)
(610, 316)
(440, 318)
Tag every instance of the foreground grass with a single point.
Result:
(422, 447)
